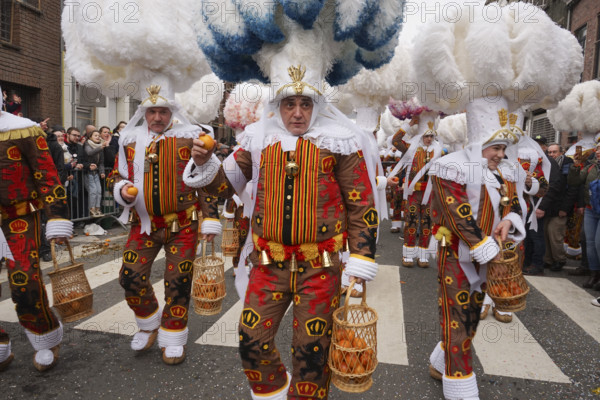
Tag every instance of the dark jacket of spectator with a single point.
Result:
(110, 153)
(57, 156)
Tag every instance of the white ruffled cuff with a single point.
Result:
(381, 182)
(535, 187)
(59, 228)
(228, 215)
(117, 192)
(150, 323)
(517, 232)
(437, 358)
(172, 338)
(47, 340)
(361, 267)
(460, 388)
(211, 226)
(485, 251)
(200, 176)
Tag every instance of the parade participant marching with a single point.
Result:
(152, 62)
(532, 159)
(309, 199)
(477, 192)
(147, 178)
(419, 154)
(30, 184)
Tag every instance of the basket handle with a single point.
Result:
(363, 300)
(53, 252)
(212, 247)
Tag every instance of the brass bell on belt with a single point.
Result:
(194, 215)
(293, 263)
(153, 158)
(346, 247)
(175, 226)
(327, 261)
(32, 208)
(264, 258)
(131, 217)
(443, 241)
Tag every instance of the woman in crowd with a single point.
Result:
(94, 153)
(586, 176)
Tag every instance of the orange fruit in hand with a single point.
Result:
(395, 179)
(132, 190)
(209, 142)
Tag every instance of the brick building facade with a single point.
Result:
(584, 25)
(30, 55)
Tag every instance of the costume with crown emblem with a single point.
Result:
(30, 184)
(416, 160)
(311, 193)
(166, 213)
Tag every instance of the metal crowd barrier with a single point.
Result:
(77, 198)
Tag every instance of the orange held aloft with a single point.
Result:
(132, 190)
(209, 142)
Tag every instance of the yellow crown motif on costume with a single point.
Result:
(153, 91)
(297, 74)
(509, 133)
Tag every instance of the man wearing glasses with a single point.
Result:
(75, 170)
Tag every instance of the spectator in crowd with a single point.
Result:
(542, 142)
(75, 191)
(67, 158)
(116, 135)
(13, 104)
(585, 175)
(222, 150)
(43, 124)
(110, 152)
(560, 201)
(94, 153)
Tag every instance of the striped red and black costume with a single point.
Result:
(329, 199)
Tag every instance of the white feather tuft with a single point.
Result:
(468, 54)
(245, 104)
(123, 53)
(203, 99)
(452, 131)
(579, 110)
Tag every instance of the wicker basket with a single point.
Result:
(71, 291)
(230, 241)
(353, 350)
(506, 284)
(209, 283)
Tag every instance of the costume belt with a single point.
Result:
(183, 217)
(304, 252)
(20, 209)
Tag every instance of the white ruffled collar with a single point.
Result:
(9, 122)
(324, 133)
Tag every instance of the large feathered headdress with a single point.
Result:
(333, 39)
(491, 66)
